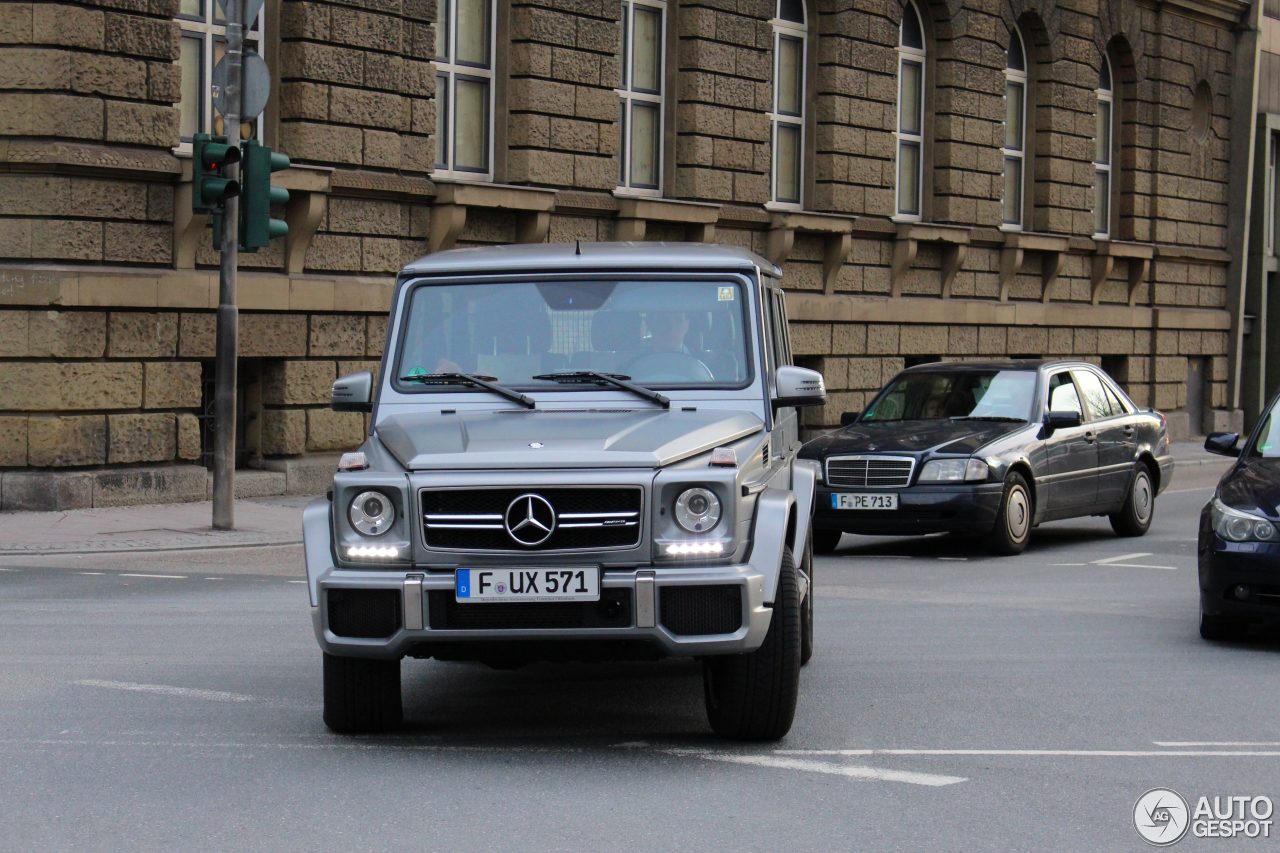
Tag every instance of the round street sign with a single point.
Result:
(255, 86)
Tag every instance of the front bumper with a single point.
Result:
(921, 509)
(1224, 566)
(424, 594)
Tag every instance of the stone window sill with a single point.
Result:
(532, 206)
(1105, 253)
(1052, 248)
(907, 239)
(634, 214)
(837, 239)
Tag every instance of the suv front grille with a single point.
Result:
(586, 518)
(870, 472)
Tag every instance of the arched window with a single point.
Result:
(910, 133)
(644, 29)
(464, 89)
(1015, 130)
(1103, 175)
(789, 44)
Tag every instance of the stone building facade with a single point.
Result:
(938, 178)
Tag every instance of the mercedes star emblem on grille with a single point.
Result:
(530, 519)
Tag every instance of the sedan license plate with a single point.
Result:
(519, 584)
(864, 501)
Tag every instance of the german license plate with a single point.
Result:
(511, 585)
(864, 501)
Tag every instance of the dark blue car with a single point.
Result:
(1240, 533)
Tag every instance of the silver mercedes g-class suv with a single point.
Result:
(576, 452)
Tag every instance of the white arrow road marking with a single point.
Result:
(1121, 562)
(809, 766)
(166, 690)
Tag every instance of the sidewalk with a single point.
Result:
(259, 521)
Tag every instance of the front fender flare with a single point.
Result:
(804, 485)
(769, 535)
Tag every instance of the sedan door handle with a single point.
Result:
(1129, 430)
(1089, 437)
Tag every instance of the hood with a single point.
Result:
(912, 437)
(581, 438)
(1254, 484)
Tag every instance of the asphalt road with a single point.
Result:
(955, 702)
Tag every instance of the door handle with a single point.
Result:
(1129, 430)
(1089, 437)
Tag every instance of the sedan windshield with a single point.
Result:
(651, 333)
(1268, 442)
(1000, 395)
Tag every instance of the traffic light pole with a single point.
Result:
(227, 348)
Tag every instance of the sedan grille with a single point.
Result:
(556, 518)
(870, 472)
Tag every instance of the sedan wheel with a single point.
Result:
(1013, 521)
(1134, 517)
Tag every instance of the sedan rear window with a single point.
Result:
(1001, 395)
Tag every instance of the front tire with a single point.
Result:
(361, 694)
(1013, 520)
(752, 696)
(1134, 518)
(1220, 628)
(826, 541)
(806, 606)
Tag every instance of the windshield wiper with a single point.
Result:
(1004, 419)
(488, 383)
(617, 380)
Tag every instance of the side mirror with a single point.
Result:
(799, 386)
(1061, 420)
(847, 418)
(352, 393)
(1222, 443)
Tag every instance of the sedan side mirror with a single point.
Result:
(1222, 443)
(1061, 420)
(799, 386)
(352, 393)
(849, 418)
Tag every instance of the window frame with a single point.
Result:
(1271, 195)
(917, 56)
(628, 96)
(210, 33)
(1106, 99)
(449, 69)
(797, 31)
(1020, 77)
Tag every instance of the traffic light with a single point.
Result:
(257, 196)
(210, 187)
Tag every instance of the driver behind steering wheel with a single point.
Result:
(664, 356)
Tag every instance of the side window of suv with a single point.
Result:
(1062, 394)
(1095, 396)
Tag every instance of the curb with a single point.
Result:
(44, 551)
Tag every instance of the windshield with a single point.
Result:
(657, 333)
(1267, 444)
(989, 394)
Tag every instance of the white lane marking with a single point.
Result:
(1185, 743)
(1121, 558)
(10, 570)
(1041, 753)
(851, 771)
(1188, 491)
(214, 579)
(1122, 562)
(165, 577)
(957, 559)
(1068, 564)
(295, 581)
(91, 574)
(166, 690)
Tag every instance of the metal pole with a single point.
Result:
(224, 407)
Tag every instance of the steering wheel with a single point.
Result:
(668, 367)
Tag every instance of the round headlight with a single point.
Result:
(1264, 530)
(697, 510)
(1238, 528)
(371, 513)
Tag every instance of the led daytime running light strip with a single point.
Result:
(381, 551)
(683, 548)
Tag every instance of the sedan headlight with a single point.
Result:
(1238, 526)
(953, 470)
(697, 510)
(371, 513)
